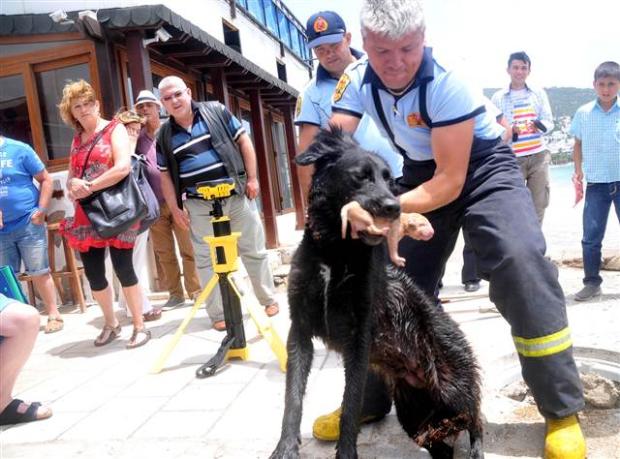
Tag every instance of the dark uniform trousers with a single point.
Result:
(499, 223)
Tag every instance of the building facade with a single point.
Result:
(251, 55)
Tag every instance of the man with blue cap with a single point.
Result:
(331, 43)
(328, 37)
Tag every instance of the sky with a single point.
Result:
(565, 40)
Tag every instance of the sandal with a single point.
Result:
(272, 309)
(135, 340)
(54, 324)
(219, 325)
(153, 314)
(11, 415)
(107, 335)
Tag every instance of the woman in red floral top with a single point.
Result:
(108, 163)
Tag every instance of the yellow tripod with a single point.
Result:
(223, 247)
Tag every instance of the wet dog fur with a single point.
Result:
(347, 293)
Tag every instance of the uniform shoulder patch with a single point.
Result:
(341, 86)
(298, 107)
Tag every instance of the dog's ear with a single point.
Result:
(328, 145)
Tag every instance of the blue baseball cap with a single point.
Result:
(324, 27)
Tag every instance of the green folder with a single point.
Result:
(10, 286)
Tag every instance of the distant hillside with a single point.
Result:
(564, 101)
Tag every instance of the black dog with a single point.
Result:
(345, 292)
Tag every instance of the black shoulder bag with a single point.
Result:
(117, 208)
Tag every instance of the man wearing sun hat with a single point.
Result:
(164, 230)
(328, 37)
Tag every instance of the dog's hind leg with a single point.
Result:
(475, 443)
(300, 352)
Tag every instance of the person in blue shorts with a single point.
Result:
(19, 326)
(459, 173)
(23, 207)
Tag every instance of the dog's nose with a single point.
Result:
(391, 207)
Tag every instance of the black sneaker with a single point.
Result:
(173, 302)
(472, 286)
(588, 292)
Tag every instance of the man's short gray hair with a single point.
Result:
(392, 18)
(171, 80)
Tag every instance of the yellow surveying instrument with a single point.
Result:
(223, 247)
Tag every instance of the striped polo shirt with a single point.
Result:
(519, 107)
(194, 153)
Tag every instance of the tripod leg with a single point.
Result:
(177, 336)
(209, 368)
(265, 327)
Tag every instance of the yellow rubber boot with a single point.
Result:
(327, 427)
(564, 439)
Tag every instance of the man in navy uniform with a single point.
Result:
(459, 173)
(331, 43)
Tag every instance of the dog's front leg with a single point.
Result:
(300, 352)
(356, 369)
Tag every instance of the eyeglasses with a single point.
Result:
(176, 95)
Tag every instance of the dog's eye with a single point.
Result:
(386, 175)
(364, 174)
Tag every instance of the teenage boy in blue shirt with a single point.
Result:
(596, 127)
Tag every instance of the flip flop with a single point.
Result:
(153, 314)
(54, 324)
(135, 340)
(272, 309)
(107, 335)
(11, 415)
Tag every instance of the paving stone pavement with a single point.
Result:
(107, 404)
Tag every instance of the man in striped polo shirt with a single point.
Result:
(203, 141)
(529, 115)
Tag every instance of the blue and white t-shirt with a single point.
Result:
(314, 106)
(448, 101)
(19, 197)
(193, 150)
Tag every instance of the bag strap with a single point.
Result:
(95, 142)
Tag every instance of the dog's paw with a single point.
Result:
(286, 449)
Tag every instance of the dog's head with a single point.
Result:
(345, 172)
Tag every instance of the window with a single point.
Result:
(281, 71)
(285, 35)
(255, 7)
(277, 20)
(14, 118)
(231, 36)
(271, 16)
(31, 86)
(294, 40)
(58, 135)
(283, 166)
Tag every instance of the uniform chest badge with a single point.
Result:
(341, 86)
(298, 107)
(320, 25)
(415, 120)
